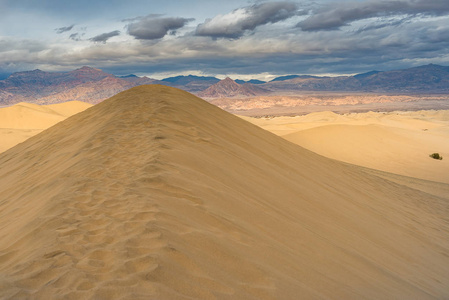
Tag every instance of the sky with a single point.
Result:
(238, 38)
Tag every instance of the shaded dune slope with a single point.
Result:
(156, 194)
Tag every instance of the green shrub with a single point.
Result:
(436, 156)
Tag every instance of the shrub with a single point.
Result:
(436, 156)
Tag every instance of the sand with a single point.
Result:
(156, 194)
(396, 142)
(24, 120)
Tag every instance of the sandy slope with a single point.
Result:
(397, 142)
(156, 194)
(23, 120)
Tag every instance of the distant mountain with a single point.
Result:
(429, 78)
(424, 79)
(229, 88)
(288, 77)
(84, 84)
(183, 80)
(190, 83)
(252, 81)
(282, 78)
(93, 85)
(367, 74)
(128, 76)
(302, 83)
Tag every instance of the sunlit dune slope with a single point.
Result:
(23, 120)
(69, 108)
(395, 150)
(156, 194)
(397, 142)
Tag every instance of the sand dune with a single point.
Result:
(396, 142)
(156, 194)
(69, 108)
(23, 120)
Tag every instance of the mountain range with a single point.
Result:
(84, 84)
(229, 88)
(423, 79)
(190, 83)
(93, 85)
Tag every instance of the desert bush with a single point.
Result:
(436, 156)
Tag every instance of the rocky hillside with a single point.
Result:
(424, 79)
(84, 84)
(228, 88)
(190, 83)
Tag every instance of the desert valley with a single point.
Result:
(265, 150)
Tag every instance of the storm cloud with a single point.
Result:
(76, 36)
(102, 38)
(335, 15)
(64, 29)
(152, 27)
(337, 37)
(234, 24)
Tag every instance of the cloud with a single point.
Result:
(335, 15)
(153, 27)
(64, 29)
(140, 18)
(312, 53)
(390, 40)
(10, 45)
(234, 24)
(76, 36)
(384, 23)
(104, 36)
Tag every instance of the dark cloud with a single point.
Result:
(383, 24)
(388, 35)
(76, 36)
(102, 38)
(153, 27)
(64, 29)
(235, 23)
(335, 15)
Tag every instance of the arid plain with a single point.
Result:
(157, 194)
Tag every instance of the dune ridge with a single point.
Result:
(157, 194)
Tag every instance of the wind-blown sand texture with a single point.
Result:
(157, 194)
(23, 120)
(396, 142)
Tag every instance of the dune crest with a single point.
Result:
(157, 194)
